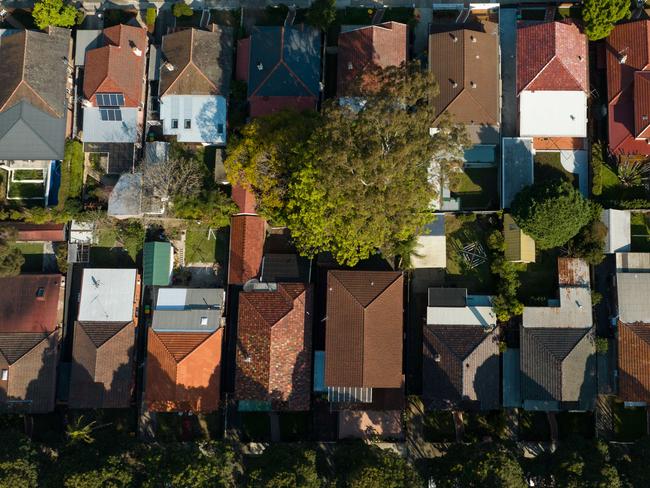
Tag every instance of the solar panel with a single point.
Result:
(110, 99)
(111, 114)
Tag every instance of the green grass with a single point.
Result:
(72, 169)
(630, 424)
(640, 224)
(117, 246)
(3, 184)
(533, 426)
(539, 279)
(568, 12)
(462, 230)
(26, 190)
(27, 174)
(548, 166)
(477, 188)
(294, 426)
(198, 249)
(576, 423)
(439, 426)
(33, 254)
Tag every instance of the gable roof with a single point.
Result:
(634, 362)
(115, 67)
(33, 70)
(14, 345)
(274, 346)
(558, 365)
(628, 42)
(22, 310)
(247, 234)
(289, 58)
(461, 366)
(465, 64)
(363, 336)
(202, 62)
(183, 371)
(364, 48)
(552, 56)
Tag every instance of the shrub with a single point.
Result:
(181, 9)
(597, 162)
(322, 13)
(54, 13)
(602, 345)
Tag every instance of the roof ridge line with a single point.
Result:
(381, 292)
(208, 336)
(298, 79)
(31, 348)
(263, 82)
(109, 338)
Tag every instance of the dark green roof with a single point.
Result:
(157, 263)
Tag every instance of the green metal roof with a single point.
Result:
(157, 263)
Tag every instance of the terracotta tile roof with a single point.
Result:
(274, 346)
(465, 64)
(634, 362)
(641, 104)
(21, 307)
(628, 42)
(363, 343)
(115, 67)
(183, 371)
(247, 234)
(364, 48)
(244, 199)
(37, 232)
(202, 62)
(461, 367)
(102, 365)
(552, 56)
(30, 359)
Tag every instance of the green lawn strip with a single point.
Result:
(3, 184)
(610, 179)
(477, 188)
(539, 279)
(27, 174)
(33, 254)
(72, 169)
(26, 190)
(439, 426)
(630, 424)
(463, 230)
(116, 247)
(568, 12)
(548, 166)
(533, 426)
(294, 426)
(198, 249)
(640, 232)
(255, 426)
(576, 423)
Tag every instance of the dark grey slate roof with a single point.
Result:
(28, 133)
(281, 268)
(545, 353)
(447, 297)
(14, 345)
(100, 332)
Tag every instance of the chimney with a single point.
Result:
(453, 83)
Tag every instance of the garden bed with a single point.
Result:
(23, 191)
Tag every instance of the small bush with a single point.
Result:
(597, 163)
(182, 9)
(151, 16)
(602, 345)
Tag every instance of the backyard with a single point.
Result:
(27, 174)
(539, 279)
(548, 166)
(33, 254)
(468, 267)
(629, 423)
(533, 426)
(118, 245)
(439, 426)
(476, 188)
(640, 223)
(202, 247)
(22, 191)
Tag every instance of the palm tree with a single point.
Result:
(79, 433)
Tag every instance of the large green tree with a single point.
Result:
(358, 181)
(54, 12)
(285, 466)
(19, 463)
(11, 259)
(600, 16)
(551, 212)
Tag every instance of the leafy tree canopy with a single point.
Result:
(212, 208)
(285, 466)
(600, 16)
(55, 13)
(181, 9)
(551, 212)
(11, 259)
(322, 13)
(352, 182)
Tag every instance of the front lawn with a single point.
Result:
(23, 191)
(539, 281)
(461, 231)
(477, 188)
(630, 424)
(575, 423)
(640, 232)
(533, 426)
(27, 174)
(33, 254)
(548, 166)
(439, 426)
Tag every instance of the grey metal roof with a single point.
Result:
(633, 291)
(188, 309)
(517, 170)
(97, 130)
(28, 133)
(447, 297)
(85, 41)
(126, 198)
(619, 230)
(558, 365)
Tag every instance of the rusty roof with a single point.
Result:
(634, 362)
(364, 326)
(29, 303)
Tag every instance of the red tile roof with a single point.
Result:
(21, 308)
(381, 45)
(363, 343)
(243, 53)
(628, 87)
(115, 67)
(247, 235)
(244, 199)
(183, 371)
(274, 346)
(634, 362)
(552, 56)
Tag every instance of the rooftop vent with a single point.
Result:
(169, 66)
(260, 66)
(204, 321)
(437, 358)
(622, 58)
(453, 37)
(137, 52)
(350, 66)
(453, 83)
(644, 118)
(472, 84)
(473, 39)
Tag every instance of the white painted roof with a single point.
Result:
(633, 290)
(478, 312)
(430, 252)
(97, 130)
(619, 231)
(207, 114)
(107, 295)
(553, 114)
(171, 297)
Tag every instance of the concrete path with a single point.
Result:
(508, 41)
(577, 162)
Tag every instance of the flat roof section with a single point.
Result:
(107, 295)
